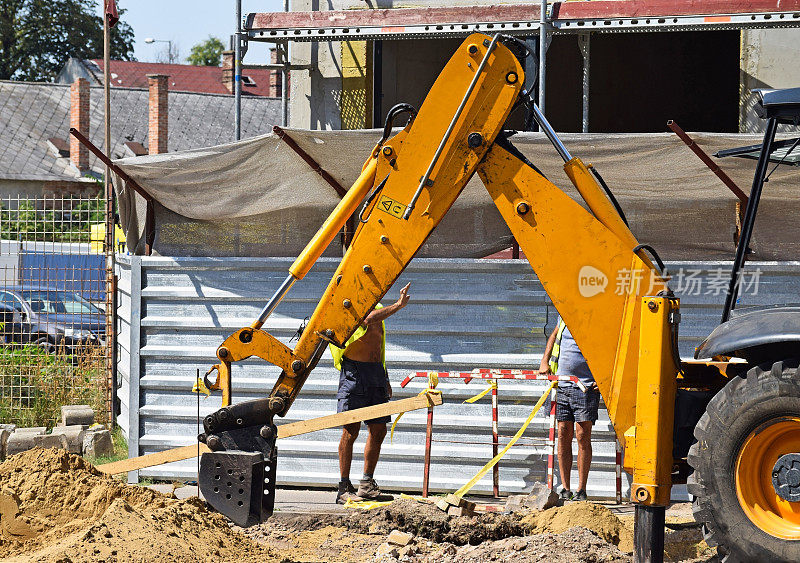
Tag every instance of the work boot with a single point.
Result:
(565, 494)
(345, 493)
(580, 495)
(368, 489)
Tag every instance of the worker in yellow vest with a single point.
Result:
(363, 382)
(577, 406)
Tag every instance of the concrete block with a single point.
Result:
(515, 502)
(386, 549)
(33, 430)
(541, 497)
(96, 444)
(9, 427)
(4, 434)
(408, 551)
(396, 537)
(442, 504)
(77, 414)
(58, 441)
(466, 510)
(73, 435)
(22, 440)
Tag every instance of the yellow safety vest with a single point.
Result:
(556, 348)
(338, 353)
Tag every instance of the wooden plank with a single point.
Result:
(149, 460)
(394, 17)
(284, 431)
(521, 12)
(357, 415)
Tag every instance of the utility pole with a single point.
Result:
(110, 238)
(542, 53)
(237, 72)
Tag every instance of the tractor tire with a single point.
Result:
(748, 426)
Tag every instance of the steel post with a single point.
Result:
(584, 44)
(618, 471)
(542, 54)
(495, 442)
(283, 56)
(237, 66)
(426, 471)
(110, 238)
(648, 534)
(551, 440)
(749, 217)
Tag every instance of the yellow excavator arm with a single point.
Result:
(626, 331)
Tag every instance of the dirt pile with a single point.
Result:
(594, 517)
(572, 546)
(314, 542)
(421, 519)
(54, 506)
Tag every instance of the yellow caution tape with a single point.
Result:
(482, 394)
(485, 469)
(370, 504)
(200, 387)
(366, 504)
(433, 381)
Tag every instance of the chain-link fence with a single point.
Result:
(54, 308)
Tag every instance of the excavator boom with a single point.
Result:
(626, 332)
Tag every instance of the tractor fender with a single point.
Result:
(772, 332)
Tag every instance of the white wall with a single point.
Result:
(768, 60)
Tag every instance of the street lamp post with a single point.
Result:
(150, 41)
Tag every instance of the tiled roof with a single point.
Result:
(31, 113)
(182, 78)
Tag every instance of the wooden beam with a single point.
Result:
(520, 12)
(284, 431)
(149, 460)
(357, 415)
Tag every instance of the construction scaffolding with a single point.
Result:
(582, 17)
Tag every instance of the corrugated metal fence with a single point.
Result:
(463, 314)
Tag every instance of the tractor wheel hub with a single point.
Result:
(786, 477)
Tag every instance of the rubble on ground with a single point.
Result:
(54, 506)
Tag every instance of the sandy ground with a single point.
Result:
(55, 507)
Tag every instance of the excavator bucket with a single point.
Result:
(240, 485)
(237, 477)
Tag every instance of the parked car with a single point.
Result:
(50, 318)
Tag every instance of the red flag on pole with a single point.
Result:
(111, 12)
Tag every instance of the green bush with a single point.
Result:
(34, 385)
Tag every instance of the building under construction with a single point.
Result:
(611, 66)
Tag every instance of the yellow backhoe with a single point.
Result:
(746, 460)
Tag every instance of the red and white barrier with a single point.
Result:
(494, 375)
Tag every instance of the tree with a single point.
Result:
(207, 53)
(38, 36)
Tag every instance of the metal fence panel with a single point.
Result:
(463, 314)
(53, 308)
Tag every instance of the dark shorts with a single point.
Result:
(573, 405)
(363, 384)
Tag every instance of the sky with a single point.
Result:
(188, 22)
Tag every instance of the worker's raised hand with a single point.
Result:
(402, 301)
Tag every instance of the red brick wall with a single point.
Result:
(79, 119)
(158, 113)
(274, 76)
(228, 71)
